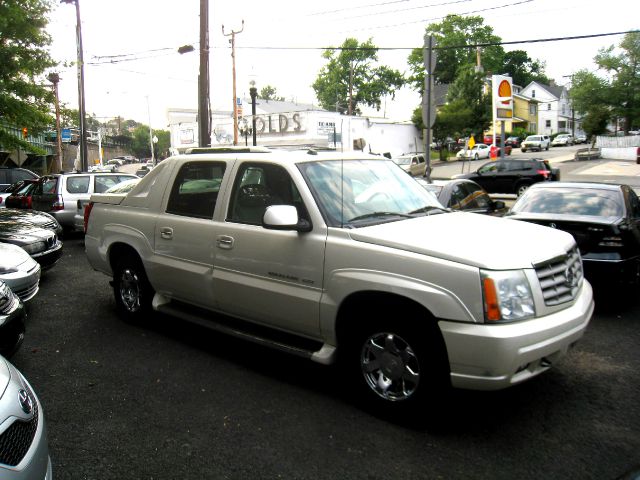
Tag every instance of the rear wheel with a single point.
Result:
(524, 150)
(522, 188)
(131, 288)
(476, 157)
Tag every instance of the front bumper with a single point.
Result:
(49, 258)
(12, 329)
(493, 357)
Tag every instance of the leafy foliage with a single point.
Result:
(24, 100)
(141, 145)
(453, 36)
(350, 74)
(617, 95)
(269, 93)
(522, 69)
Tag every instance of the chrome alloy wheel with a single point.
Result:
(390, 366)
(130, 290)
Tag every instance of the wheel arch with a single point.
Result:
(118, 250)
(359, 307)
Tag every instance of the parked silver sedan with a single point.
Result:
(19, 271)
(24, 450)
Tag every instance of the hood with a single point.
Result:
(41, 219)
(12, 256)
(471, 239)
(22, 233)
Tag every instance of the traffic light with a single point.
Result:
(25, 132)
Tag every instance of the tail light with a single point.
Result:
(58, 204)
(544, 173)
(87, 212)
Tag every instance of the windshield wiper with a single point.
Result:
(429, 209)
(378, 214)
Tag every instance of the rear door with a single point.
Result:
(185, 234)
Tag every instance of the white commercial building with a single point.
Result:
(280, 124)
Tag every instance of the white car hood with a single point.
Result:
(12, 256)
(472, 239)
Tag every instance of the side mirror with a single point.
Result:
(498, 205)
(284, 217)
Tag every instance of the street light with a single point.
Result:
(83, 134)
(253, 92)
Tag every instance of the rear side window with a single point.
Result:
(105, 182)
(79, 184)
(195, 190)
(19, 174)
(48, 185)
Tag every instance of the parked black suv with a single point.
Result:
(11, 175)
(512, 176)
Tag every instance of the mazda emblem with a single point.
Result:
(26, 403)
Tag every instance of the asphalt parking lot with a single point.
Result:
(172, 401)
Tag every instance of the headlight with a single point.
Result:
(507, 296)
(35, 247)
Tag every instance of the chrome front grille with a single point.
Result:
(560, 278)
(16, 440)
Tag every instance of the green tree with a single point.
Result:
(25, 101)
(468, 90)
(141, 146)
(350, 78)
(522, 69)
(269, 93)
(624, 71)
(617, 93)
(453, 37)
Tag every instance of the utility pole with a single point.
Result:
(81, 105)
(204, 114)
(233, 57)
(350, 108)
(54, 78)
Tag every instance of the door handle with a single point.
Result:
(166, 233)
(224, 241)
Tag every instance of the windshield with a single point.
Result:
(355, 193)
(570, 201)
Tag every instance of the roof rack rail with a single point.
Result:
(227, 149)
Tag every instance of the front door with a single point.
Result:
(268, 276)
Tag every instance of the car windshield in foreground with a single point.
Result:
(570, 201)
(355, 193)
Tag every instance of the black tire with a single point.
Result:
(476, 157)
(523, 150)
(400, 369)
(131, 289)
(547, 149)
(521, 188)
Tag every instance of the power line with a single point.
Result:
(489, 44)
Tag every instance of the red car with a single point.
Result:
(21, 197)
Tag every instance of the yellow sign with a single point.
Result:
(472, 143)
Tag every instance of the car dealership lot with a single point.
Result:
(170, 400)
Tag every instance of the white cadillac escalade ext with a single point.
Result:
(339, 256)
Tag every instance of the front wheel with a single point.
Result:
(523, 150)
(399, 368)
(131, 288)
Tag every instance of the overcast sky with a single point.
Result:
(281, 40)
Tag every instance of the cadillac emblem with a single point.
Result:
(570, 278)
